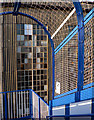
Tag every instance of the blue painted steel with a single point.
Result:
(92, 111)
(80, 19)
(39, 108)
(87, 94)
(22, 118)
(15, 91)
(79, 115)
(17, 6)
(5, 13)
(88, 17)
(64, 100)
(77, 96)
(30, 103)
(24, 90)
(88, 85)
(74, 91)
(6, 116)
(53, 67)
(73, 31)
(89, 14)
(64, 43)
(67, 111)
(67, 93)
(50, 108)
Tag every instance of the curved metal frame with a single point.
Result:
(80, 19)
(49, 36)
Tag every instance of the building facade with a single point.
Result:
(32, 59)
(24, 49)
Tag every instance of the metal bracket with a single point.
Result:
(17, 6)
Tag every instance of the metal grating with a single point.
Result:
(89, 52)
(66, 68)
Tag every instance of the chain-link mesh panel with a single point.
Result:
(65, 30)
(14, 105)
(1, 107)
(35, 105)
(89, 52)
(17, 104)
(51, 14)
(87, 6)
(26, 44)
(66, 66)
(44, 109)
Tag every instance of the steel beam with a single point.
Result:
(17, 6)
(80, 19)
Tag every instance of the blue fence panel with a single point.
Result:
(64, 100)
(21, 104)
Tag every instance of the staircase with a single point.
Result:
(22, 104)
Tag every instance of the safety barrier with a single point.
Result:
(22, 104)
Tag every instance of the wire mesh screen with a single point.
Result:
(40, 108)
(52, 14)
(61, 19)
(1, 106)
(14, 105)
(35, 105)
(66, 67)
(87, 6)
(66, 60)
(17, 104)
(65, 29)
(89, 52)
(44, 109)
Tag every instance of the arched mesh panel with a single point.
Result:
(60, 19)
(27, 57)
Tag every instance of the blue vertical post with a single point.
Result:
(53, 67)
(39, 108)
(53, 62)
(17, 6)
(30, 104)
(50, 109)
(80, 19)
(6, 114)
(92, 111)
(67, 111)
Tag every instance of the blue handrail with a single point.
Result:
(88, 17)
(79, 115)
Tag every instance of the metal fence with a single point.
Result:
(66, 58)
(22, 104)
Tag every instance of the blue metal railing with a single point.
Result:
(22, 104)
(87, 18)
(68, 116)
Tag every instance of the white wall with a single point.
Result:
(60, 110)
